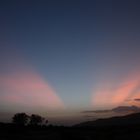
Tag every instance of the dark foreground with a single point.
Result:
(115, 128)
(12, 132)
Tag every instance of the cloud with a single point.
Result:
(118, 110)
(96, 111)
(28, 90)
(126, 109)
(111, 94)
(137, 99)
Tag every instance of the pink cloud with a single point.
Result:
(112, 94)
(29, 90)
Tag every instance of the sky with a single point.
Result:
(58, 58)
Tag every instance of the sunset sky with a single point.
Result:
(60, 57)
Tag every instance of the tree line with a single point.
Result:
(24, 119)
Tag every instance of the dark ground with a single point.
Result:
(13, 132)
(115, 128)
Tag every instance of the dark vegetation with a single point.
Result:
(23, 119)
(26, 127)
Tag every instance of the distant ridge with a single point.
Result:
(117, 121)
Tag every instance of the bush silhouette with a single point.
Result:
(20, 118)
(36, 119)
(46, 122)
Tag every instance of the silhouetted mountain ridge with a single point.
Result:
(114, 121)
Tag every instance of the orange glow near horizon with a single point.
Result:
(111, 94)
(28, 89)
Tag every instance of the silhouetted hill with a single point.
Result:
(131, 119)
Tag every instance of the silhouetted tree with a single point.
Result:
(20, 118)
(46, 122)
(36, 119)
